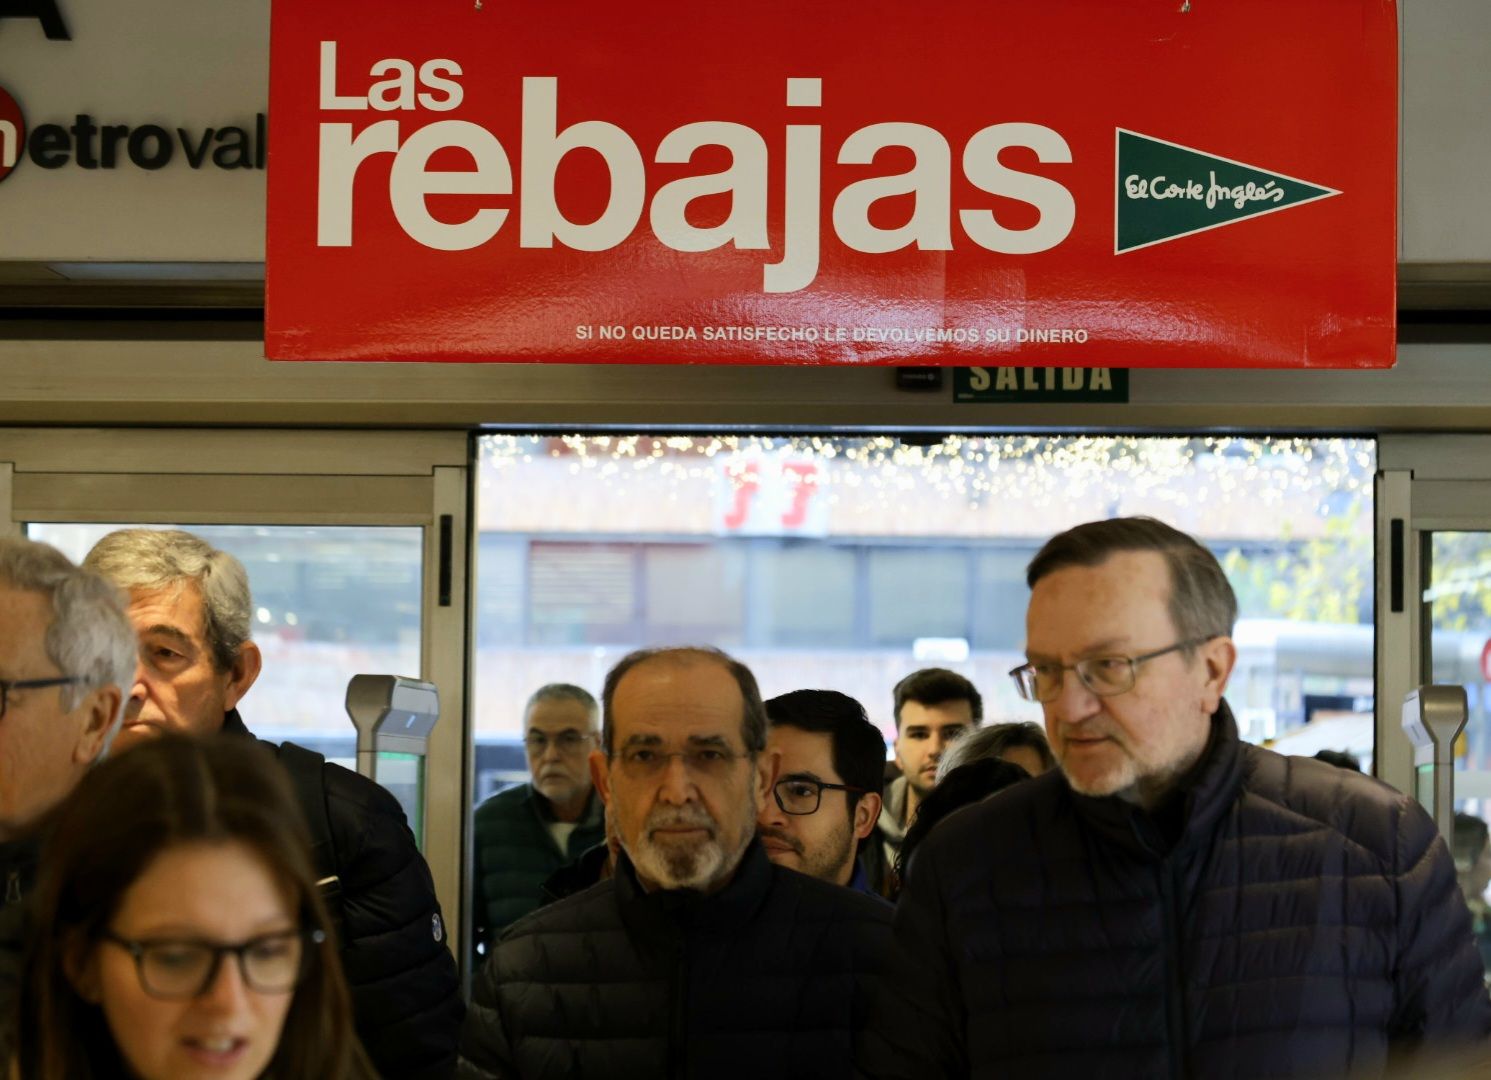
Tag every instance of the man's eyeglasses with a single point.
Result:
(1105, 676)
(7, 685)
(648, 762)
(801, 795)
(179, 970)
(567, 742)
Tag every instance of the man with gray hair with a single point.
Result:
(1172, 901)
(527, 832)
(67, 657)
(190, 607)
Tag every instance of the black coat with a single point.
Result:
(1306, 923)
(406, 998)
(774, 976)
(17, 873)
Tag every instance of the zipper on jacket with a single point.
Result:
(1175, 993)
(678, 1065)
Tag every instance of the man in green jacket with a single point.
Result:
(527, 832)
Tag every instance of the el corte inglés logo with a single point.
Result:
(1166, 191)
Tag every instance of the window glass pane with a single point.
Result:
(695, 593)
(1457, 606)
(917, 594)
(848, 562)
(581, 593)
(329, 603)
(805, 593)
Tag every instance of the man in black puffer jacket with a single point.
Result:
(1173, 902)
(190, 605)
(699, 958)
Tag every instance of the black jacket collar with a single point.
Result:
(233, 724)
(667, 914)
(1206, 792)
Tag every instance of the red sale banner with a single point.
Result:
(1153, 183)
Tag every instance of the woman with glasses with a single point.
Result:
(177, 931)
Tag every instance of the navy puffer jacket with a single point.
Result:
(1306, 923)
(774, 976)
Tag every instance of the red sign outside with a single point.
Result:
(1034, 182)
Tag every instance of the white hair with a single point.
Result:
(152, 559)
(89, 637)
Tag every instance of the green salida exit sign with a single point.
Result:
(1034, 384)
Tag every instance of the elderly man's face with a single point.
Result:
(558, 735)
(682, 790)
(1134, 743)
(44, 748)
(178, 687)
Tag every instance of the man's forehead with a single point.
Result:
(691, 698)
(1119, 603)
(943, 714)
(178, 606)
(26, 614)
(561, 713)
(807, 752)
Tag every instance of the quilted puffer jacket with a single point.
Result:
(773, 976)
(1304, 922)
(515, 855)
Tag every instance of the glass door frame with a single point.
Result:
(1425, 484)
(283, 477)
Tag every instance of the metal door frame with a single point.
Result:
(1425, 483)
(277, 477)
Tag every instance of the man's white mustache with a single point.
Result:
(682, 817)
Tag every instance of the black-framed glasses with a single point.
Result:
(568, 743)
(802, 795)
(179, 969)
(7, 685)
(1105, 676)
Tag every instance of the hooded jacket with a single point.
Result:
(775, 975)
(1284, 918)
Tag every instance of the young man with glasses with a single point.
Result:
(1172, 901)
(825, 800)
(526, 833)
(67, 656)
(698, 957)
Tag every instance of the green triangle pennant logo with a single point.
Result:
(1166, 191)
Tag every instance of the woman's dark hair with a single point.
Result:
(165, 793)
(965, 785)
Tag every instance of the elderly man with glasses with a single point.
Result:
(67, 658)
(699, 957)
(1172, 901)
(826, 799)
(526, 833)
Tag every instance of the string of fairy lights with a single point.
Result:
(1035, 468)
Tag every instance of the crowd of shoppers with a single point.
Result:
(694, 882)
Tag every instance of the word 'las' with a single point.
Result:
(434, 86)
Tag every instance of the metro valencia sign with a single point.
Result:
(1152, 183)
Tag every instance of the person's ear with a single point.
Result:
(242, 675)
(80, 967)
(768, 765)
(866, 813)
(600, 774)
(99, 708)
(1219, 657)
